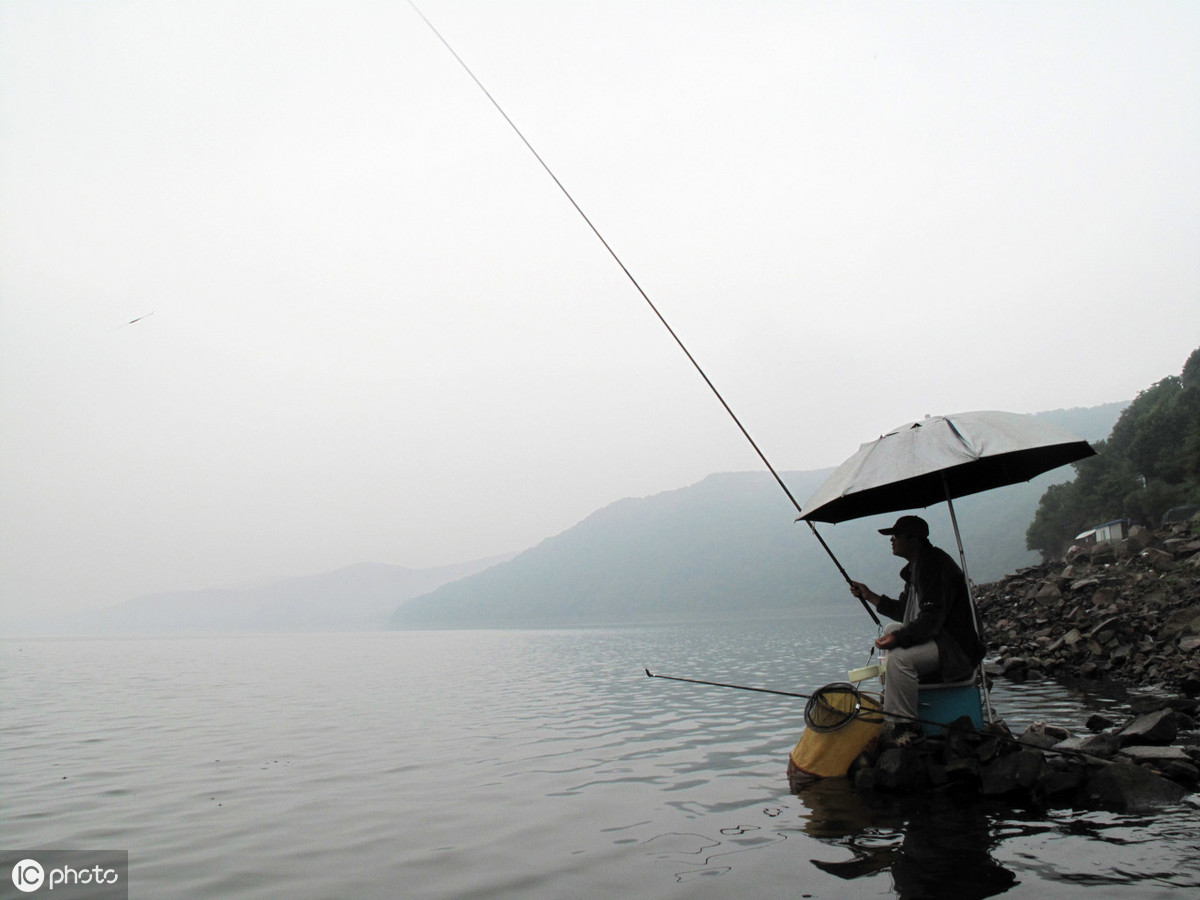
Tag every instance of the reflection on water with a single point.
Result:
(933, 846)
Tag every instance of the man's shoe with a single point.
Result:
(903, 736)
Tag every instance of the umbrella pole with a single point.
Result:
(962, 558)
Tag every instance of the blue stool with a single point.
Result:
(943, 703)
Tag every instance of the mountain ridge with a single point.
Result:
(726, 546)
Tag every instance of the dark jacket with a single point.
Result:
(944, 615)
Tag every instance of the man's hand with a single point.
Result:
(886, 641)
(862, 592)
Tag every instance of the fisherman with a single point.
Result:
(936, 640)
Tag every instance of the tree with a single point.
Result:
(1150, 463)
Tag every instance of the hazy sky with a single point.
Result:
(375, 330)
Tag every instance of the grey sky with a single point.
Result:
(380, 333)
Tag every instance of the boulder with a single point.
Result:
(1013, 772)
(1158, 727)
(1160, 560)
(901, 769)
(1124, 787)
(1146, 753)
(1139, 538)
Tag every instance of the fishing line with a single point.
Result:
(628, 274)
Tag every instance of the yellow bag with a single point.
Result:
(842, 722)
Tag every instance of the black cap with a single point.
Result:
(913, 525)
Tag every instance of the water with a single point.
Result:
(512, 764)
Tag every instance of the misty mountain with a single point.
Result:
(359, 597)
(728, 546)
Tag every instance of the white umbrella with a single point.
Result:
(941, 458)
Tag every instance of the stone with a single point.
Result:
(1124, 787)
(1048, 593)
(1097, 722)
(1160, 560)
(963, 769)
(1146, 753)
(1152, 728)
(900, 769)
(1038, 741)
(1016, 771)
(1104, 629)
(1181, 623)
(1103, 746)
(1139, 538)
(1183, 772)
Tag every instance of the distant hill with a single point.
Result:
(359, 597)
(727, 547)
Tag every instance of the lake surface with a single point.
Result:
(505, 764)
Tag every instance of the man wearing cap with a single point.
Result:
(936, 638)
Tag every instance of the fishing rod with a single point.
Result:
(739, 687)
(628, 274)
(948, 726)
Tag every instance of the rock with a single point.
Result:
(1060, 780)
(1152, 728)
(1183, 772)
(1161, 560)
(1048, 593)
(1145, 753)
(964, 770)
(1123, 787)
(900, 769)
(1014, 668)
(1013, 772)
(1181, 623)
(1097, 722)
(1039, 735)
(1104, 629)
(1139, 538)
(1103, 746)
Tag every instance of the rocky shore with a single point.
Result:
(1124, 612)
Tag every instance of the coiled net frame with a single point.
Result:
(836, 705)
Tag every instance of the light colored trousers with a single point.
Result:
(905, 666)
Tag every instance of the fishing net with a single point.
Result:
(836, 705)
(842, 722)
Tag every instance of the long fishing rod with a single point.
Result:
(949, 726)
(661, 318)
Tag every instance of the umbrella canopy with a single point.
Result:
(940, 458)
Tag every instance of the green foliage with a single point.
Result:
(1150, 463)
